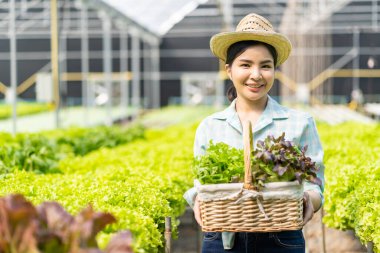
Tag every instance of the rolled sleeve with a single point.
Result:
(190, 196)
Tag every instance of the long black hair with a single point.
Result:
(237, 49)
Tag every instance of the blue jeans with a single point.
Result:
(279, 242)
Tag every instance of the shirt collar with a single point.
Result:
(272, 111)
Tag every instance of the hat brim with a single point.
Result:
(220, 43)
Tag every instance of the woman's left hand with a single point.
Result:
(308, 208)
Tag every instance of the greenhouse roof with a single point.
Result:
(157, 17)
(188, 17)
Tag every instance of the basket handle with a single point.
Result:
(248, 144)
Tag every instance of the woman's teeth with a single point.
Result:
(251, 86)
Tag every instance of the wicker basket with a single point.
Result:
(237, 207)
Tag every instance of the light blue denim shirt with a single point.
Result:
(225, 126)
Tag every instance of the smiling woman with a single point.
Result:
(251, 54)
(250, 66)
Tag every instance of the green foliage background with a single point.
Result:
(141, 180)
(352, 194)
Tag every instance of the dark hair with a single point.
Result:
(237, 49)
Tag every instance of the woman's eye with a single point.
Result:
(267, 66)
(245, 65)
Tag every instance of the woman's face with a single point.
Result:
(252, 73)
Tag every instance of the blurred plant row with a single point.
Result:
(352, 195)
(24, 108)
(41, 152)
(139, 175)
(140, 178)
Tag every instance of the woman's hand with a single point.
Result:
(311, 203)
(197, 212)
(308, 209)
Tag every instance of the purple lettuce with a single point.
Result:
(276, 159)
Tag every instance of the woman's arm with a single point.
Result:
(311, 203)
(200, 143)
(197, 212)
(313, 196)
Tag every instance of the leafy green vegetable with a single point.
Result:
(143, 181)
(352, 193)
(84, 140)
(220, 164)
(274, 160)
(30, 153)
(41, 152)
(140, 183)
(24, 108)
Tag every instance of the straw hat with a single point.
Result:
(252, 27)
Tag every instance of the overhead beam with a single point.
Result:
(5, 20)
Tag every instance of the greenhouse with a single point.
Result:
(113, 111)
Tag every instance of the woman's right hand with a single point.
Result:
(197, 212)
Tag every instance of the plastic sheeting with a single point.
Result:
(157, 16)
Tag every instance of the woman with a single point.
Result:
(251, 54)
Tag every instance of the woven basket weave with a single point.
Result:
(240, 208)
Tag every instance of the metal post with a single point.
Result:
(84, 62)
(63, 57)
(54, 57)
(124, 81)
(184, 86)
(147, 76)
(107, 64)
(356, 45)
(323, 231)
(168, 234)
(24, 5)
(62, 69)
(374, 14)
(135, 69)
(370, 247)
(156, 74)
(13, 63)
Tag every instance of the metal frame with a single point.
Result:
(343, 14)
(32, 21)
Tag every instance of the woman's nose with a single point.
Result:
(255, 74)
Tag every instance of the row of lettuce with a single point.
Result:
(140, 183)
(352, 159)
(136, 174)
(140, 175)
(24, 108)
(41, 152)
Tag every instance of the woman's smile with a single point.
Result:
(255, 86)
(252, 73)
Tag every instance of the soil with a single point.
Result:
(336, 241)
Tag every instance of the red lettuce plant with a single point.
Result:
(17, 225)
(120, 243)
(276, 159)
(50, 229)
